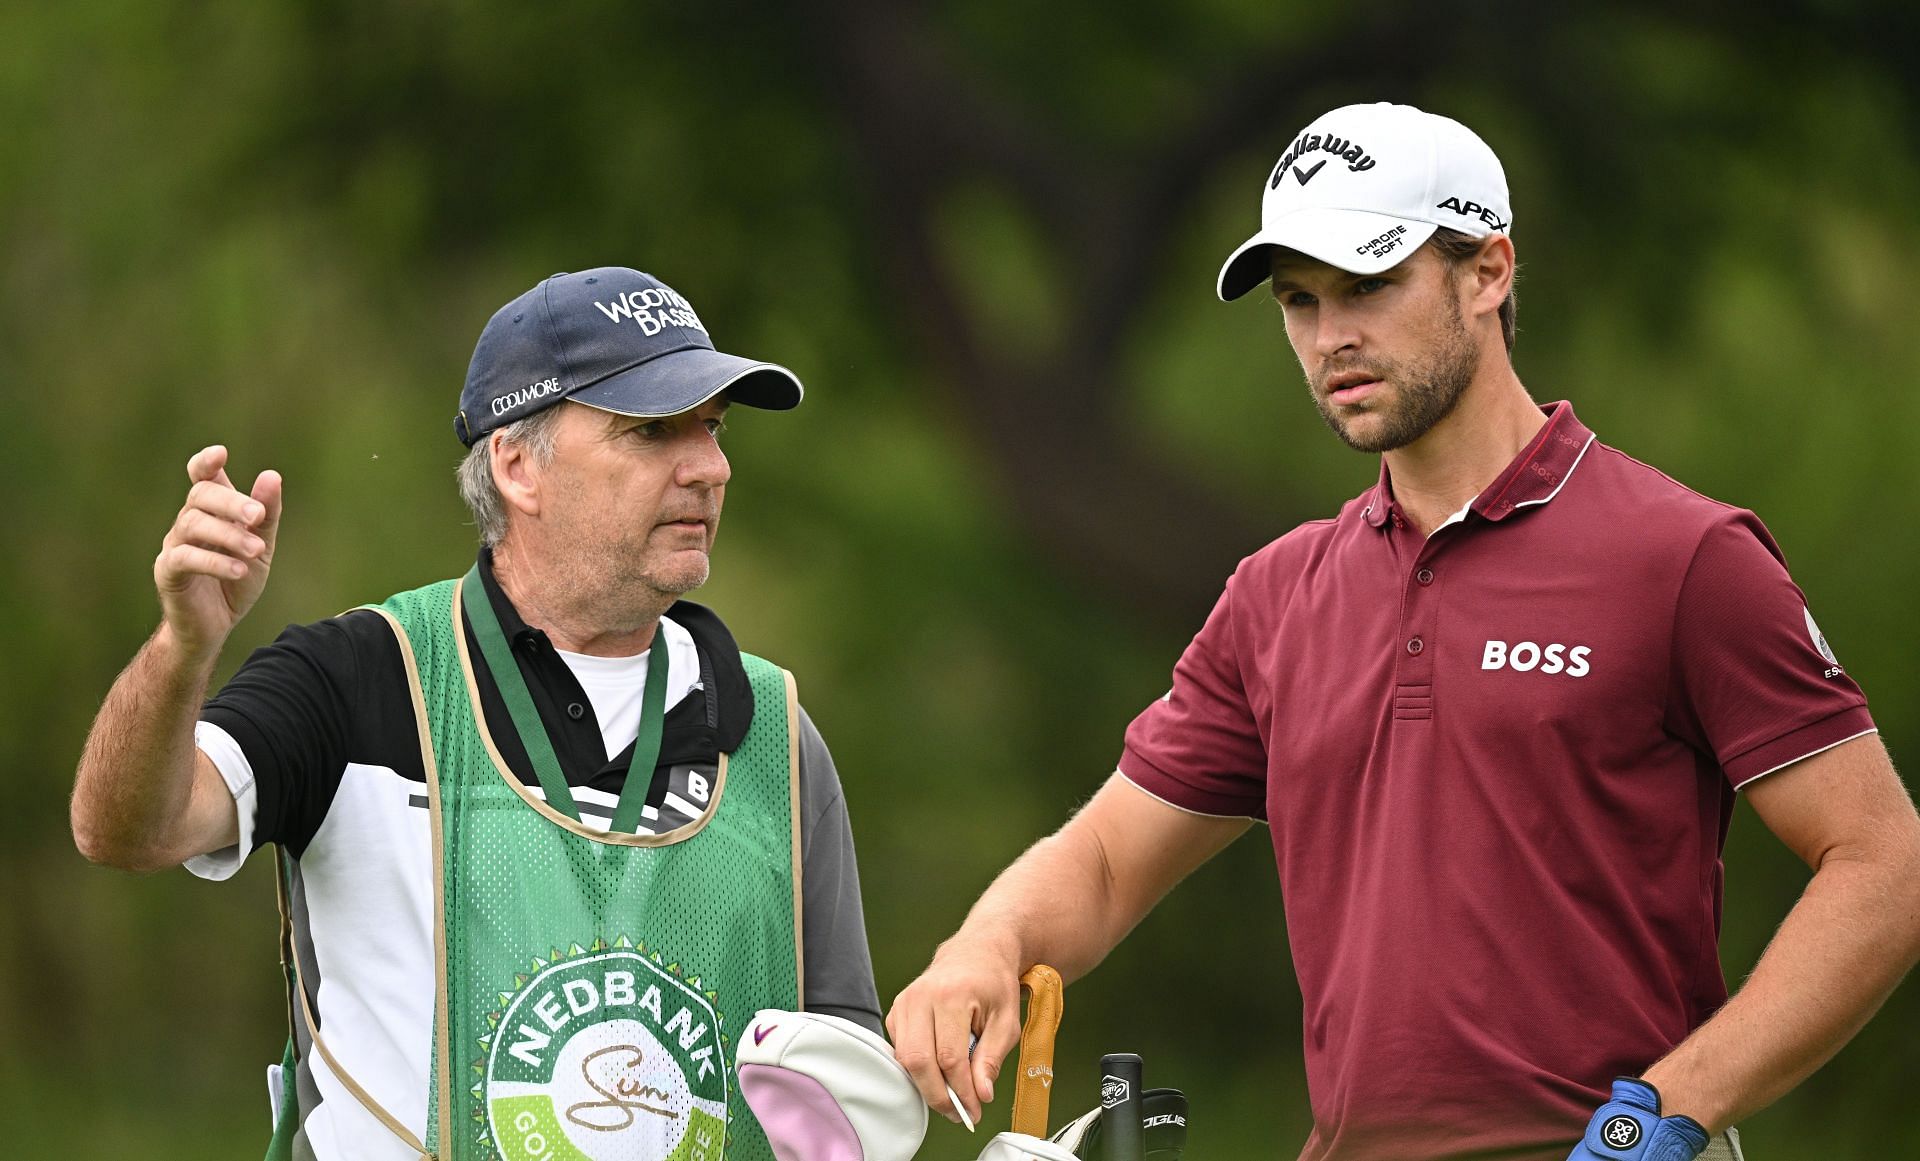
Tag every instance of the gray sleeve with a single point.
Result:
(838, 969)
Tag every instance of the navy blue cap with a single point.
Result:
(611, 338)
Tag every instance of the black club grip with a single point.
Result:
(1120, 1128)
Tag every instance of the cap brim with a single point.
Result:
(682, 380)
(1357, 241)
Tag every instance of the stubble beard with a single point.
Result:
(1424, 393)
(622, 584)
(641, 578)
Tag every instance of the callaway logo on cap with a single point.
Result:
(612, 338)
(1362, 187)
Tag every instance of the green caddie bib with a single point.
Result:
(590, 985)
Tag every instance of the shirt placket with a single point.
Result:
(1419, 621)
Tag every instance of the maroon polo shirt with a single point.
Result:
(1498, 765)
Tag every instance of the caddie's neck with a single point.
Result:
(1441, 472)
(557, 596)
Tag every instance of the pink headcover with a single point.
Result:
(826, 1089)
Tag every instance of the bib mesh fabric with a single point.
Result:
(590, 990)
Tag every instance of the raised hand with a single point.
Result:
(213, 563)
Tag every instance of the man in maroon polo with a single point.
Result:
(1494, 714)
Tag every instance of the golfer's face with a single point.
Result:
(1377, 349)
(642, 494)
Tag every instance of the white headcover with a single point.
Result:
(826, 1089)
(1021, 1147)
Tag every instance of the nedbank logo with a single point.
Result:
(605, 1054)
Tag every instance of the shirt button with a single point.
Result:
(576, 711)
(1416, 645)
(1424, 576)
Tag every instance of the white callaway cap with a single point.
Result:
(1362, 187)
(826, 1089)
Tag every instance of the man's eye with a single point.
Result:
(650, 430)
(716, 426)
(1369, 285)
(1296, 298)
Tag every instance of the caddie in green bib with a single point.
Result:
(589, 982)
(590, 985)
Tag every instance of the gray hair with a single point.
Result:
(536, 434)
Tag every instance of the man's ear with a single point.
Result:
(1489, 277)
(515, 474)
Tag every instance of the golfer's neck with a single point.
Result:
(1442, 471)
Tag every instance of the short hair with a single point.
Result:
(1455, 248)
(536, 433)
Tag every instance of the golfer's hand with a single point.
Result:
(213, 563)
(970, 989)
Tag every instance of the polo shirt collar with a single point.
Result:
(1534, 477)
(512, 625)
(1537, 474)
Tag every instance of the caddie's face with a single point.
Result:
(634, 503)
(1387, 356)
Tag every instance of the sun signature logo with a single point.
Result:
(614, 1073)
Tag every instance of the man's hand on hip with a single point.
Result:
(1630, 1128)
(213, 563)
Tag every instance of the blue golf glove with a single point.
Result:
(1630, 1128)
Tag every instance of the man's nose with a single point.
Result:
(703, 464)
(1335, 331)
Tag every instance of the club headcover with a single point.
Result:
(1022, 1147)
(1163, 1112)
(826, 1089)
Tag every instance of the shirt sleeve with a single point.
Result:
(1755, 683)
(1199, 747)
(231, 761)
(296, 710)
(837, 967)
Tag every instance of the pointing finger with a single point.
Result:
(207, 463)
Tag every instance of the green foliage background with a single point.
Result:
(280, 226)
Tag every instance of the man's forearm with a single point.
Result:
(135, 783)
(1057, 904)
(1840, 952)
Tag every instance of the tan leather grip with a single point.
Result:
(1034, 1085)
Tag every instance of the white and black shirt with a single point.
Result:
(316, 738)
